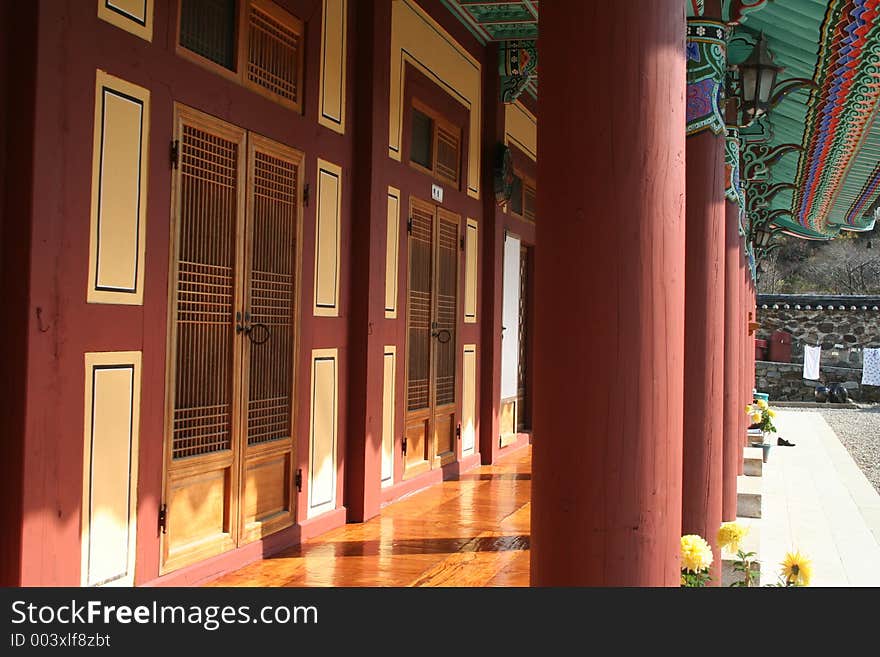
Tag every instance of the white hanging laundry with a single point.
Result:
(871, 367)
(812, 355)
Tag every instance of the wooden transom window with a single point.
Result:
(435, 144)
(523, 196)
(254, 42)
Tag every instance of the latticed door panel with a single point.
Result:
(523, 420)
(231, 387)
(205, 294)
(202, 463)
(268, 386)
(432, 303)
(446, 305)
(270, 297)
(421, 252)
(444, 334)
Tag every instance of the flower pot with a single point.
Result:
(766, 448)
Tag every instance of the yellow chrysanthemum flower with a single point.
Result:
(762, 404)
(756, 418)
(771, 413)
(797, 569)
(696, 555)
(730, 535)
(748, 409)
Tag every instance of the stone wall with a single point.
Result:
(842, 326)
(785, 382)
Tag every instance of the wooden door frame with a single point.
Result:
(267, 450)
(422, 414)
(237, 453)
(170, 472)
(434, 460)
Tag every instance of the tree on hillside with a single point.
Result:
(848, 264)
(845, 266)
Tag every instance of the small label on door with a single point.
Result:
(437, 193)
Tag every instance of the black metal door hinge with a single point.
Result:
(163, 518)
(409, 226)
(306, 195)
(403, 446)
(298, 480)
(458, 431)
(499, 440)
(461, 242)
(174, 153)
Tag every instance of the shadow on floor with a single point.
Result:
(370, 548)
(502, 476)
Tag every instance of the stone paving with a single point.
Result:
(816, 499)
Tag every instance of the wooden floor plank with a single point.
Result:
(470, 531)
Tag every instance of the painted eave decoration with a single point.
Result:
(514, 25)
(836, 171)
(831, 180)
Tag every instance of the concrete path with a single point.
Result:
(816, 499)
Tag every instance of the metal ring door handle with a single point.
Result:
(261, 330)
(443, 336)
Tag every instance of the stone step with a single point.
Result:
(751, 543)
(748, 496)
(753, 461)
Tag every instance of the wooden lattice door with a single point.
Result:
(523, 401)
(229, 454)
(432, 303)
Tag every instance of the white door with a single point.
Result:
(510, 319)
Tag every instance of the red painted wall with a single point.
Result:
(370, 330)
(73, 43)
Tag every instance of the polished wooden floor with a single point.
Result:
(472, 531)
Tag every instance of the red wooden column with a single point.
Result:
(609, 320)
(732, 458)
(753, 314)
(741, 335)
(704, 285)
(18, 81)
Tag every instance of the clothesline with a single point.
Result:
(870, 364)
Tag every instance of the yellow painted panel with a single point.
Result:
(392, 243)
(110, 460)
(119, 192)
(135, 16)
(418, 39)
(322, 442)
(521, 129)
(327, 245)
(388, 395)
(471, 244)
(469, 400)
(333, 59)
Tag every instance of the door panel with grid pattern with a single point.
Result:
(432, 303)
(231, 342)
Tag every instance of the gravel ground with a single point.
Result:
(859, 431)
